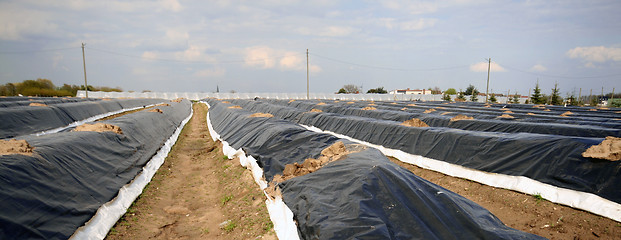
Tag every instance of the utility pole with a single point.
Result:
(580, 97)
(84, 64)
(307, 73)
(590, 96)
(489, 65)
(612, 97)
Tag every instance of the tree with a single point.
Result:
(377, 90)
(451, 91)
(342, 90)
(516, 98)
(350, 88)
(555, 98)
(474, 97)
(537, 98)
(471, 90)
(435, 90)
(492, 98)
(446, 97)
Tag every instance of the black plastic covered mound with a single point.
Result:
(22, 120)
(582, 123)
(551, 159)
(71, 174)
(25, 101)
(364, 196)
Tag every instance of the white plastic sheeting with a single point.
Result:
(332, 96)
(280, 215)
(109, 213)
(576, 199)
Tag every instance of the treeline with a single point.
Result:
(45, 88)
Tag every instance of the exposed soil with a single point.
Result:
(198, 193)
(265, 115)
(315, 110)
(505, 116)
(235, 107)
(157, 110)
(368, 108)
(321, 103)
(565, 114)
(414, 122)
(98, 127)
(123, 113)
(429, 110)
(529, 213)
(332, 153)
(461, 117)
(37, 104)
(13, 146)
(609, 149)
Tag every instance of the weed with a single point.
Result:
(230, 226)
(538, 197)
(225, 157)
(226, 199)
(206, 230)
(268, 226)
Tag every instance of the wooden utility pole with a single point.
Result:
(580, 97)
(489, 64)
(590, 96)
(612, 97)
(307, 74)
(84, 64)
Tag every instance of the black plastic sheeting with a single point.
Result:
(581, 123)
(364, 196)
(551, 159)
(55, 191)
(25, 101)
(21, 120)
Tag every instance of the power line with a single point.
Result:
(37, 51)
(557, 76)
(389, 68)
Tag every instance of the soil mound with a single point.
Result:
(350, 102)
(13, 146)
(445, 113)
(404, 108)
(414, 122)
(226, 102)
(157, 110)
(162, 105)
(98, 127)
(461, 117)
(532, 114)
(412, 105)
(369, 108)
(34, 104)
(290, 101)
(508, 111)
(565, 114)
(177, 100)
(429, 110)
(332, 153)
(235, 107)
(265, 115)
(609, 149)
(315, 110)
(321, 103)
(505, 116)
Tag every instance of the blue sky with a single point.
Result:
(259, 46)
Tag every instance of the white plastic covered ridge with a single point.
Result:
(576, 199)
(280, 214)
(109, 213)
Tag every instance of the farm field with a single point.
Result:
(318, 169)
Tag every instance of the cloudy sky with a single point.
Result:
(260, 46)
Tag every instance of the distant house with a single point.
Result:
(411, 91)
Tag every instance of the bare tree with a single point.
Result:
(350, 88)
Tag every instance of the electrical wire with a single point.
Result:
(37, 51)
(389, 68)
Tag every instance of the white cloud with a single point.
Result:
(596, 54)
(329, 31)
(16, 24)
(482, 67)
(412, 25)
(149, 55)
(538, 68)
(410, 6)
(211, 72)
(265, 58)
(172, 5)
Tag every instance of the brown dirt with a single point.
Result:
(440, 108)
(332, 153)
(445, 113)
(507, 111)
(532, 114)
(235, 107)
(371, 104)
(404, 108)
(121, 114)
(98, 127)
(609, 149)
(321, 103)
(547, 110)
(414, 122)
(290, 101)
(429, 110)
(350, 102)
(177, 100)
(526, 212)
(315, 110)
(226, 102)
(461, 117)
(162, 105)
(12, 146)
(34, 104)
(157, 110)
(197, 193)
(265, 115)
(369, 108)
(565, 114)
(412, 105)
(505, 116)
(593, 110)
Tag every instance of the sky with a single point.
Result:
(260, 46)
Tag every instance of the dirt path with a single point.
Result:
(525, 212)
(197, 194)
